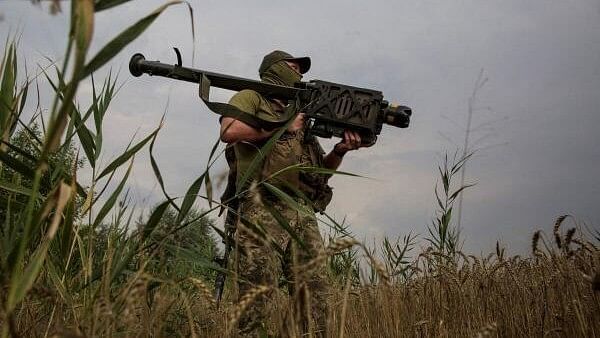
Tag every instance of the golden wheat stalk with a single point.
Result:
(568, 240)
(556, 231)
(487, 330)
(341, 244)
(381, 270)
(596, 282)
(204, 291)
(534, 242)
(244, 303)
(335, 246)
(313, 264)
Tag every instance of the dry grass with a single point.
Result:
(553, 293)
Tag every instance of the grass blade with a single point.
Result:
(127, 154)
(285, 225)
(157, 173)
(7, 91)
(287, 199)
(258, 159)
(154, 219)
(85, 137)
(112, 199)
(101, 5)
(190, 197)
(17, 165)
(117, 44)
(22, 283)
(16, 188)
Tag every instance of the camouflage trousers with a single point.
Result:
(276, 258)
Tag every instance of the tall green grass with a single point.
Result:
(50, 221)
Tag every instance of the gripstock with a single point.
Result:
(331, 108)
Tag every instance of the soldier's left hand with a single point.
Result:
(351, 141)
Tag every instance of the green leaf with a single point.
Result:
(258, 158)
(209, 188)
(17, 188)
(20, 151)
(437, 197)
(108, 88)
(67, 231)
(101, 5)
(195, 257)
(127, 154)
(158, 174)
(155, 218)
(101, 108)
(219, 232)
(57, 283)
(111, 49)
(460, 163)
(287, 199)
(338, 228)
(213, 151)
(190, 197)
(7, 88)
(17, 165)
(311, 169)
(284, 224)
(82, 26)
(455, 194)
(22, 280)
(85, 137)
(22, 283)
(445, 181)
(207, 181)
(23, 98)
(127, 251)
(112, 199)
(192, 193)
(34, 137)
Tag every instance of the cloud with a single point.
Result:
(541, 58)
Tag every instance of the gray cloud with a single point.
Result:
(542, 59)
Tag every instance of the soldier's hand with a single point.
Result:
(297, 124)
(350, 142)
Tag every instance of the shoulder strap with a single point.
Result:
(231, 179)
(228, 110)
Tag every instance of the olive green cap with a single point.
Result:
(278, 55)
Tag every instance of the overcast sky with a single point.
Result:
(540, 152)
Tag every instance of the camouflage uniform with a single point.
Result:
(258, 260)
(260, 264)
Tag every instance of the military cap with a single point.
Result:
(278, 55)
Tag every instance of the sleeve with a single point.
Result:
(251, 108)
(246, 100)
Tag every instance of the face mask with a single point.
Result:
(281, 74)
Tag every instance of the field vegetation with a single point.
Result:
(77, 260)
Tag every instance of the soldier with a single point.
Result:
(258, 263)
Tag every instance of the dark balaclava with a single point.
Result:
(280, 73)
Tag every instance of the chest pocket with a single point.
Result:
(286, 152)
(314, 185)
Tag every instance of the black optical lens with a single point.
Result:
(397, 116)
